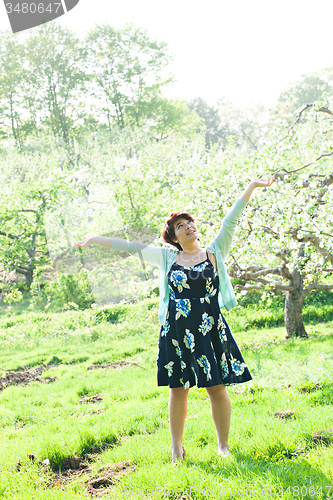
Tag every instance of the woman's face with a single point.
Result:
(185, 231)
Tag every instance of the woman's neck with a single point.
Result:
(191, 250)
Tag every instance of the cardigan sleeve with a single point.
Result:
(148, 253)
(224, 237)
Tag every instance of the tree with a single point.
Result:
(27, 197)
(216, 132)
(54, 77)
(308, 89)
(289, 236)
(247, 124)
(12, 83)
(127, 73)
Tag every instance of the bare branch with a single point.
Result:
(298, 117)
(282, 255)
(262, 272)
(249, 287)
(316, 243)
(276, 286)
(271, 232)
(325, 110)
(316, 286)
(302, 110)
(304, 166)
(326, 182)
(254, 273)
(11, 236)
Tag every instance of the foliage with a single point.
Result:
(31, 191)
(215, 132)
(70, 291)
(13, 296)
(126, 70)
(54, 83)
(54, 78)
(309, 88)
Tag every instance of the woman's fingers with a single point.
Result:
(86, 240)
(81, 243)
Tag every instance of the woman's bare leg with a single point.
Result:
(221, 412)
(177, 415)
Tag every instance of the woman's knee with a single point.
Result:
(216, 390)
(179, 392)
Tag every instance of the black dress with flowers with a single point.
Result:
(195, 345)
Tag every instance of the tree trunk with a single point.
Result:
(28, 273)
(293, 318)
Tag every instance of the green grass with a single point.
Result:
(130, 422)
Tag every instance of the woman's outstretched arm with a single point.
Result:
(148, 253)
(105, 241)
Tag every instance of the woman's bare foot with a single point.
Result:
(178, 454)
(223, 451)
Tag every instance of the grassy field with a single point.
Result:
(81, 414)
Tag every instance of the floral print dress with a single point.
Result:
(195, 345)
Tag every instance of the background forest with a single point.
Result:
(90, 144)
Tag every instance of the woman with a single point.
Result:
(195, 344)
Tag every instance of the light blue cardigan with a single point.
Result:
(165, 257)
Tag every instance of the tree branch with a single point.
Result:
(316, 286)
(270, 231)
(304, 166)
(275, 285)
(11, 236)
(315, 242)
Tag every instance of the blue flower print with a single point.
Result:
(179, 280)
(201, 267)
(178, 350)
(236, 366)
(205, 364)
(189, 340)
(224, 366)
(172, 294)
(169, 367)
(183, 307)
(166, 328)
(221, 329)
(207, 323)
(211, 291)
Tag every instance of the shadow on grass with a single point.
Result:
(281, 478)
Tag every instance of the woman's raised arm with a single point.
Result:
(254, 184)
(224, 237)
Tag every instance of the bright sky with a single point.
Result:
(246, 51)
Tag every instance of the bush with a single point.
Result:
(70, 291)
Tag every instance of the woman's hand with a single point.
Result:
(261, 182)
(86, 241)
(254, 184)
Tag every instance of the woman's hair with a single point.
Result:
(168, 231)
